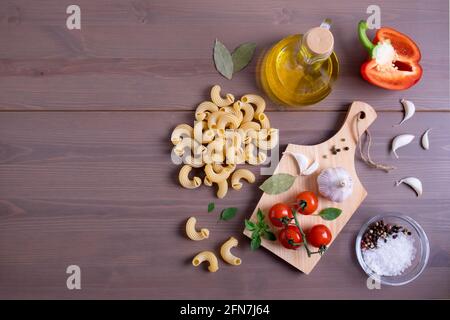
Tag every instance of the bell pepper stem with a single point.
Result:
(362, 32)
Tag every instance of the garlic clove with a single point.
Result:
(311, 169)
(413, 182)
(301, 159)
(401, 141)
(425, 141)
(409, 109)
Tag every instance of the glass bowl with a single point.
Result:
(420, 242)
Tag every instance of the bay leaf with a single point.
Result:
(242, 56)
(223, 60)
(278, 183)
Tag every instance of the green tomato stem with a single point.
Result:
(305, 242)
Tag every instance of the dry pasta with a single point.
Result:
(228, 120)
(198, 131)
(222, 188)
(209, 257)
(265, 123)
(183, 177)
(180, 148)
(217, 99)
(269, 141)
(204, 109)
(213, 118)
(226, 133)
(180, 131)
(214, 152)
(207, 182)
(225, 252)
(216, 176)
(208, 136)
(250, 125)
(236, 110)
(217, 167)
(235, 155)
(239, 174)
(258, 101)
(248, 111)
(252, 157)
(192, 233)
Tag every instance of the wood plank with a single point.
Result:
(130, 56)
(97, 189)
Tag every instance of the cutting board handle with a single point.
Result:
(352, 124)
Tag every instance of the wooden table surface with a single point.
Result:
(85, 170)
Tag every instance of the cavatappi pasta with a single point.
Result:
(226, 254)
(192, 233)
(226, 133)
(208, 256)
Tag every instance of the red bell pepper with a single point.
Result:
(394, 59)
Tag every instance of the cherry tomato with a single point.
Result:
(319, 236)
(278, 213)
(290, 237)
(306, 202)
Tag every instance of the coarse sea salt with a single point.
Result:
(393, 257)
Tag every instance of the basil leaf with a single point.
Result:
(228, 214)
(260, 216)
(249, 225)
(242, 56)
(269, 235)
(278, 183)
(330, 213)
(261, 226)
(223, 60)
(211, 206)
(256, 243)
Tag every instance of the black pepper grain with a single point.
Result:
(380, 230)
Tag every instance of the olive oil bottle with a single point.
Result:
(300, 69)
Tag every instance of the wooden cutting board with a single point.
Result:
(346, 159)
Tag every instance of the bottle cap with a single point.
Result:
(320, 41)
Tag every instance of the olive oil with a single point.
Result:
(300, 69)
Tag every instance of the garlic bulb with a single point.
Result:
(335, 184)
